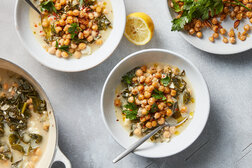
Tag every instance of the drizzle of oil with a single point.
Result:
(176, 133)
(191, 114)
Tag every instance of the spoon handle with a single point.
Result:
(136, 144)
(33, 6)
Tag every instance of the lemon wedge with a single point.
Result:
(139, 28)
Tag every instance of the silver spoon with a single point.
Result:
(142, 140)
(33, 6)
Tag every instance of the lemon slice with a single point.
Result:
(139, 28)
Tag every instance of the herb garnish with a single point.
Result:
(158, 94)
(196, 9)
(165, 81)
(103, 22)
(238, 3)
(63, 47)
(87, 2)
(131, 112)
(154, 108)
(74, 30)
(48, 6)
(127, 78)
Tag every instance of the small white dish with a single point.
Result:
(218, 47)
(25, 33)
(178, 143)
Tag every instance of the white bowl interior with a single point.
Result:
(218, 47)
(178, 143)
(22, 24)
(48, 154)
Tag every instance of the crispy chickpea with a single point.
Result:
(131, 99)
(226, 9)
(86, 33)
(70, 13)
(58, 53)
(64, 54)
(166, 134)
(91, 16)
(148, 79)
(67, 42)
(157, 115)
(147, 95)
(183, 109)
(173, 92)
(139, 72)
(144, 111)
(148, 124)
(98, 9)
(151, 101)
(214, 21)
(161, 106)
(148, 107)
(198, 24)
(222, 31)
(134, 91)
(45, 23)
(73, 46)
(161, 121)
(169, 112)
(140, 96)
(232, 40)
(155, 84)
(81, 35)
(249, 14)
(76, 12)
(154, 123)
(225, 40)
(66, 28)
(250, 20)
(57, 6)
(140, 88)
(99, 42)
(246, 28)
(167, 90)
(215, 28)
(52, 50)
(243, 38)
(161, 88)
(239, 16)
(58, 29)
(144, 102)
(231, 33)
(137, 132)
(144, 68)
(191, 31)
(232, 14)
(90, 38)
(62, 22)
(64, 16)
(150, 88)
(211, 39)
(82, 46)
(142, 79)
(69, 20)
(199, 34)
(142, 119)
(236, 9)
(215, 35)
(77, 54)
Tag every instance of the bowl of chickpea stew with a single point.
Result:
(71, 35)
(219, 27)
(145, 89)
(28, 130)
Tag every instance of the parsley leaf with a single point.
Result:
(48, 6)
(131, 111)
(165, 81)
(154, 108)
(176, 6)
(158, 94)
(127, 78)
(74, 30)
(63, 48)
(199, 9)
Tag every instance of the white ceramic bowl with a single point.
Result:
(178, 143)
(22, 25)
(52, 152)
(218, 47)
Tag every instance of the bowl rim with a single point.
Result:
(58, 68)
(167, 52)
(185, 37)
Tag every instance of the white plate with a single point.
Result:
(178, 143)
(22, 25)
(218, 47)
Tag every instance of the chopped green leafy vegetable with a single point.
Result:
(131, 111)
(186, 97)
(87, 2)
(176, 6)
(74, 30)
(158, 94)
(48, 6)
(165, 81)
(63, 48)
(103, 22)
(197, 9)
(154, 108)
(127, 78)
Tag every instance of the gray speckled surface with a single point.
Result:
(76, 100)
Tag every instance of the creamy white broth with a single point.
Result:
(36, 124)
(37, 29)
(127, 124)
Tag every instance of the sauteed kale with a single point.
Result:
(17, 103)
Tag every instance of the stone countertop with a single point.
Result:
(226, 140)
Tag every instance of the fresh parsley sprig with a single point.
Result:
(165, 81)
(131, 111)
(74, 29)
(158, 94)
(63, 48)
(48, 6)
